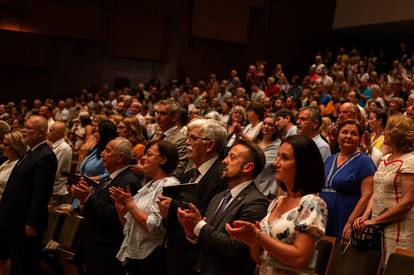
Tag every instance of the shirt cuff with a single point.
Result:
(198, 227)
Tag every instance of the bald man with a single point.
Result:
(24, 204)
(63, 152)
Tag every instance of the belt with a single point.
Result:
(329, 190)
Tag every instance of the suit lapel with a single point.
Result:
(236, 201)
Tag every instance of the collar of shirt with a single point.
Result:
(57, 143)
(235, 191)
(205, 166)
(169, 131)
(117, 172)
(37, 145)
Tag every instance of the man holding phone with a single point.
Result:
(101, 233)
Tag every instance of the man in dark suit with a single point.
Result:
(23, 206)
(218, 253)
(167, 114)
(101, 233)
(204, 140)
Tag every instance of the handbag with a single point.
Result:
(370, 238)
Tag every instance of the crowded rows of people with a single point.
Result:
(276, 166)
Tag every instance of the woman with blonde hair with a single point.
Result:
(13, 149)
(130, 129)
(393, 198)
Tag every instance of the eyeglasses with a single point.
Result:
(194, 138)
(162, 113)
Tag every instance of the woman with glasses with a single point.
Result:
(142, 250)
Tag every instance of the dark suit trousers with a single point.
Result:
(181, 256)
(25, 255)
(154, 264)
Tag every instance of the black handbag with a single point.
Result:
(370, 238)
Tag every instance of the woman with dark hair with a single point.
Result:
(130, 129)
(255, 115)
(92, 165)
(377, 121)
(142, 249)
(348, 181)
(295, 221)
(269, 142)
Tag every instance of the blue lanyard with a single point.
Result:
(331, 175)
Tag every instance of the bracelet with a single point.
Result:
(257, 234)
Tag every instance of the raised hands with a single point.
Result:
(244, 231)
(189, 218)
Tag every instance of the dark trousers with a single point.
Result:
(181, 256)
(25, 255)
(154, 264)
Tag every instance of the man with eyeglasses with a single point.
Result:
(205, 139)
(167, 115)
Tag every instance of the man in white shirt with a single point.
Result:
(62, 114)
(135, 110)
(218, 253)
(309, 121)
(63, 152)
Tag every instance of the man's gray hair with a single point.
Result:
(315, 114)
(124, 147)
(175, 105)
(212, 129)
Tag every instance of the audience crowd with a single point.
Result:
(277, 163)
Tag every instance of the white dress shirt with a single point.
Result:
(63, 154)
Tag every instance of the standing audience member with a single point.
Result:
(218, 252)
(295, 221)
(348, 181)
(63, 152)
(24, 204)
(167, 114)
(92, 165)
(205, 140)
(255, 115)
(392, 202)
(269, 142)
(14, 148)
(142, 250)
(130, 129)
(285, 123)
(309, 121)
(4, 129)
(101, 234)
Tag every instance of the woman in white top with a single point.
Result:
(255, 115)
(142, 250)
(13, 150)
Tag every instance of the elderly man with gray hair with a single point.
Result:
(205, 139)
(102, 232)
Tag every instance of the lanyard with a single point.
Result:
(331, 175)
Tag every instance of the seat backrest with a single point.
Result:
(54, 225)
(325, 247)
(69, 233)
(399, 264)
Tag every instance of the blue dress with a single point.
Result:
(92, 165)
(342, 189)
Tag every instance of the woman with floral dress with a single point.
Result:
(295, 221)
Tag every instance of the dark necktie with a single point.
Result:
(224, 202)
(195, 175)
(104, 183)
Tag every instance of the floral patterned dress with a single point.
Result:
(309, 217)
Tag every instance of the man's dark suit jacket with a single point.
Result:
(102, 231)
(28, 190)
(180, 253)
(219, 254)
(24, 202)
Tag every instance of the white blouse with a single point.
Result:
(139, 243)
(5, 170)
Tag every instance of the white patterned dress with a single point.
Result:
(387, 192)
(308, 217)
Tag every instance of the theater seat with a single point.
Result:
(401, 262)
(325, 248)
